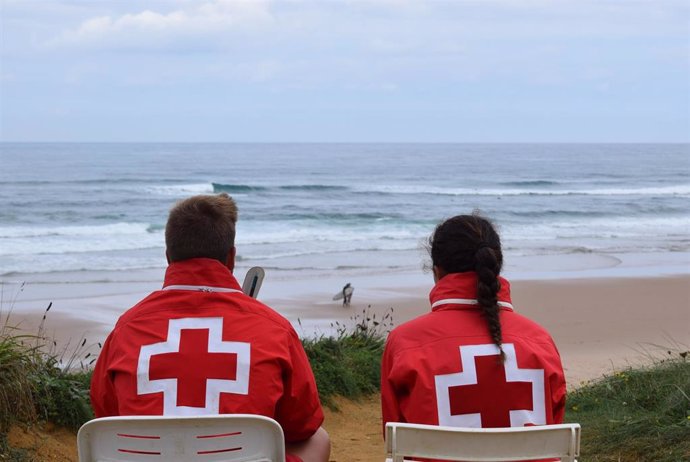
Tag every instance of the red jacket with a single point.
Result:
(443, 368)
(200, 346)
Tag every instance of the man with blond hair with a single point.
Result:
(200, 346)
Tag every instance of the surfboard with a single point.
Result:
(348, 291)
(252, 281)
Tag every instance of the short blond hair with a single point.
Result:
(201, 227)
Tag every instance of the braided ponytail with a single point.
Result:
(470, 243)
(488, 285)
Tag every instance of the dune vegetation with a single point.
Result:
(638, 414)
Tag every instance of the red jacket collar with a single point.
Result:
(200, 272)
(459, 290)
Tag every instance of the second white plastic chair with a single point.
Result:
(482, 444)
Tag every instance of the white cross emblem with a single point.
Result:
(214, 387)
(468, 376)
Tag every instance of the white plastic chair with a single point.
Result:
(216, 438)
(482, 444)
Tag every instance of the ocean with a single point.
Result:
(329, 209)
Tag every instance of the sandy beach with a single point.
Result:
(600, 325)
(605, 313)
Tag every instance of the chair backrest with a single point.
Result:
(215, 438)
(482, 444)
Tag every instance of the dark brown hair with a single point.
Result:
(470, 243)
(201, 226)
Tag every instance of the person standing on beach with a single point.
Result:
(200, 346)
(472, 361)
(347, 294)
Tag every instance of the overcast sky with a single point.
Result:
(388, 70)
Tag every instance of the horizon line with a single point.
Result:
(342, 142)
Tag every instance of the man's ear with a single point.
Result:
(230, 262)
(167, 257)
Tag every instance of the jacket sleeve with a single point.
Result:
(103, 397)
(390, 409)
(558, 388)
(299, 410)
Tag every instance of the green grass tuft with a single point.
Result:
(62, 397)
(17, 364)
(348, 364)
(637, 414)
(37, 383)
(34, 386)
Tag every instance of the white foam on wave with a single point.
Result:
(135, 245)
(602, 227)
(264, 233)
(90, 267)
(599, 235)
(73, 231)
(547, 190)
(269, 253)
(23, 240)
(181, 189)
(675, 190)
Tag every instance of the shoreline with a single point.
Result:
(599, 324)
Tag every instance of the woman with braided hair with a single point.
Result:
(472, 361)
